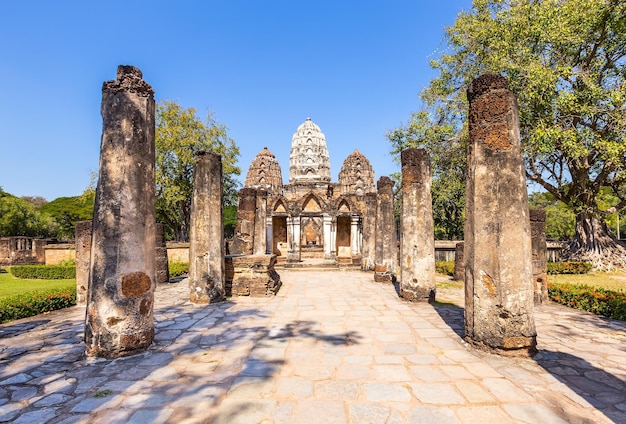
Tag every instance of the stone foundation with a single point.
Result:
(252, 275)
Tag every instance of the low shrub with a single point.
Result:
(445, 267)
(34, 303)
(44, 272)
(178, 268)
(609, 303)
(569, 267)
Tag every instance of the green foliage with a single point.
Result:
(569, 267)
(34, 303)
(44, 272)
(560, 219)
(20, 218)
(445, 267)
(565, 61)
(66, 211)
(177, 269)
(611, 304)
(230, 220)
(179, 134)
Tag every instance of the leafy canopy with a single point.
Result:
(179, 134)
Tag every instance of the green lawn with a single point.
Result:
(10, 285)
(607, 280)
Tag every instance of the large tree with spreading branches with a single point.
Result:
(565, 60)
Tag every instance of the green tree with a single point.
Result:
(560, 220)
(565, 60)
(66, 211)
(179, 134)
(20, 218)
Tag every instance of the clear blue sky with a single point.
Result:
(355, 67)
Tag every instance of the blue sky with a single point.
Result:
(355, 67)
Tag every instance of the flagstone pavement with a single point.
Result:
(331, 347)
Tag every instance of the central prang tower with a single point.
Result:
(309, 160)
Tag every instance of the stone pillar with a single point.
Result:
(539, 255)
(269, 235)
(386, 261)
(327, 224)
(82, 246)
(162, 263)
(354, 235)
(120, 317)
(206, 235)
(293, 224)
(498, 268)
(369, 233)
(459, 264)
(243, 241)
(417, 234)
(260, 222)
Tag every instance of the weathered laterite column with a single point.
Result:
(417, 232)
(162, 263)
(82, 246)
(386, 260)
(540, 254)
(459, 264)
(498, 268)
(369, 232)
(243, 241)
(206, 235)
(120, 318)
(260, 222)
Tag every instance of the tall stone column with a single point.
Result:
(386, 261)
(293, 254)
(498, 269)
(162, 263)
(82, 246)
(369, 232)
(269, 235)
(327, 221)
(417, 233)
(120, 318)
(206, 235)
(459, 262)
(539, 255)
(354, 235)
(243, 241)
(260, 221)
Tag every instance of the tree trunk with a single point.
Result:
(595, 244)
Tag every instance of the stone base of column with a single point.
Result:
(254, 276)
(162, 272)
(419, 295)
(382, 275)
(541, 289)
(511, 346)
(293, 257)
(111, 346)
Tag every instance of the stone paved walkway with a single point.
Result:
(331, 347)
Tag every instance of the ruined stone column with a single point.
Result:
(206, 235)
(260, 221)
(354, 235)
(269, 235)
(386, 261)
(369, 232)
(417, 234)
(459, 264)
(327, 225)
(82, 246)
(120, 319)
(293, 254)
(162, 263)
(539, 255)
(498, 268)
(243, 241)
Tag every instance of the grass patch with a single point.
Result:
(606, 280)
(9, 285)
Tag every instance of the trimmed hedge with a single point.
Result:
(569, 267)
(34, 303)
(178, 268)
(445, 267)
(609, 303)
(44, 272)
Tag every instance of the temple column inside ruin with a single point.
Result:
(269, 234)
(354, 235)
(260, 221)
(162, 263)
(417, 237)
(386, 240)
(327, 224)
(120, 318)
(206, 235)
(498, 268)
(369, 233)
(539, 255)
(293, 254)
